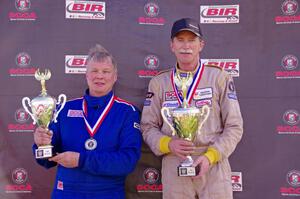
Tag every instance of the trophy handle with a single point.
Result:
(26, 109)
(163, 110)
(62, 101)
(204, 113)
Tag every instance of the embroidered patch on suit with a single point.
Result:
(200, 103)
(170, 104)
(203, 93)
(60, 185)
(170, 96)
(75, 113)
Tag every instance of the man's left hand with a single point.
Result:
(203, 163)
(67, 159)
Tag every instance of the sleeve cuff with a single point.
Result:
(164, 144)
(213, 155)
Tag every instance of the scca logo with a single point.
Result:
(293, 178)
(19, 175)
(76, 60)
(151, 62)
(21, 116)
(23, 59)
(151, 9)
(22, 5)
(289, 62)
(151, 175)
(289, 7)
(291, 117)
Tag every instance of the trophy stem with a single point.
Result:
(43, 84)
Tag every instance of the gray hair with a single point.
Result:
(98, 54)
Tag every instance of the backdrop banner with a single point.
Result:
(257, 42)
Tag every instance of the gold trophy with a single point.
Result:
(187, 122)
(44, 110)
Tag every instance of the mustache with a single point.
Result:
(189, 51)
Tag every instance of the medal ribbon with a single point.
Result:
(192, 88)
(92, 131)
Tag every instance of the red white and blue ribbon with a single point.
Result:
(93, 131)
(192, 88)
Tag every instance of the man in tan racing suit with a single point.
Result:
(220, 133)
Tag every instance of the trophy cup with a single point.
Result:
(44, 111)
(186, 122)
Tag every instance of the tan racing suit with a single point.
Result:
(222, 131)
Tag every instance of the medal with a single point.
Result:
(90, 144)
(192, 86)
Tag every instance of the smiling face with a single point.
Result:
(186, 46)
(101, 77)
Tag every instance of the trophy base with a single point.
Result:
(188, 171)
(43, 152)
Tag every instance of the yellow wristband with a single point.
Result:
(164, 144)
(213, 155)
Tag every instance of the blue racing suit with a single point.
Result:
(101, 172)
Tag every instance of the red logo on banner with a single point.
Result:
(85, 9)
(75, 64)
(236, 181)
(22, 118)
(293, 179)
(152, 11)
(151, 177)
(22, 6)
(23, 59)
(289, 9)
(151, 62)
(19, 177)
(23, 62)
(219, 14)
(289, 63)
(221, 11)
(231, 66)
(291, 118)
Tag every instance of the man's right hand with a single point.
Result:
(181, 147)
(42, 136)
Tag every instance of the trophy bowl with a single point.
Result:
(186, 123)
(43, 111)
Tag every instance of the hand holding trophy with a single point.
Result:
(44, 110)
(187, 121)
